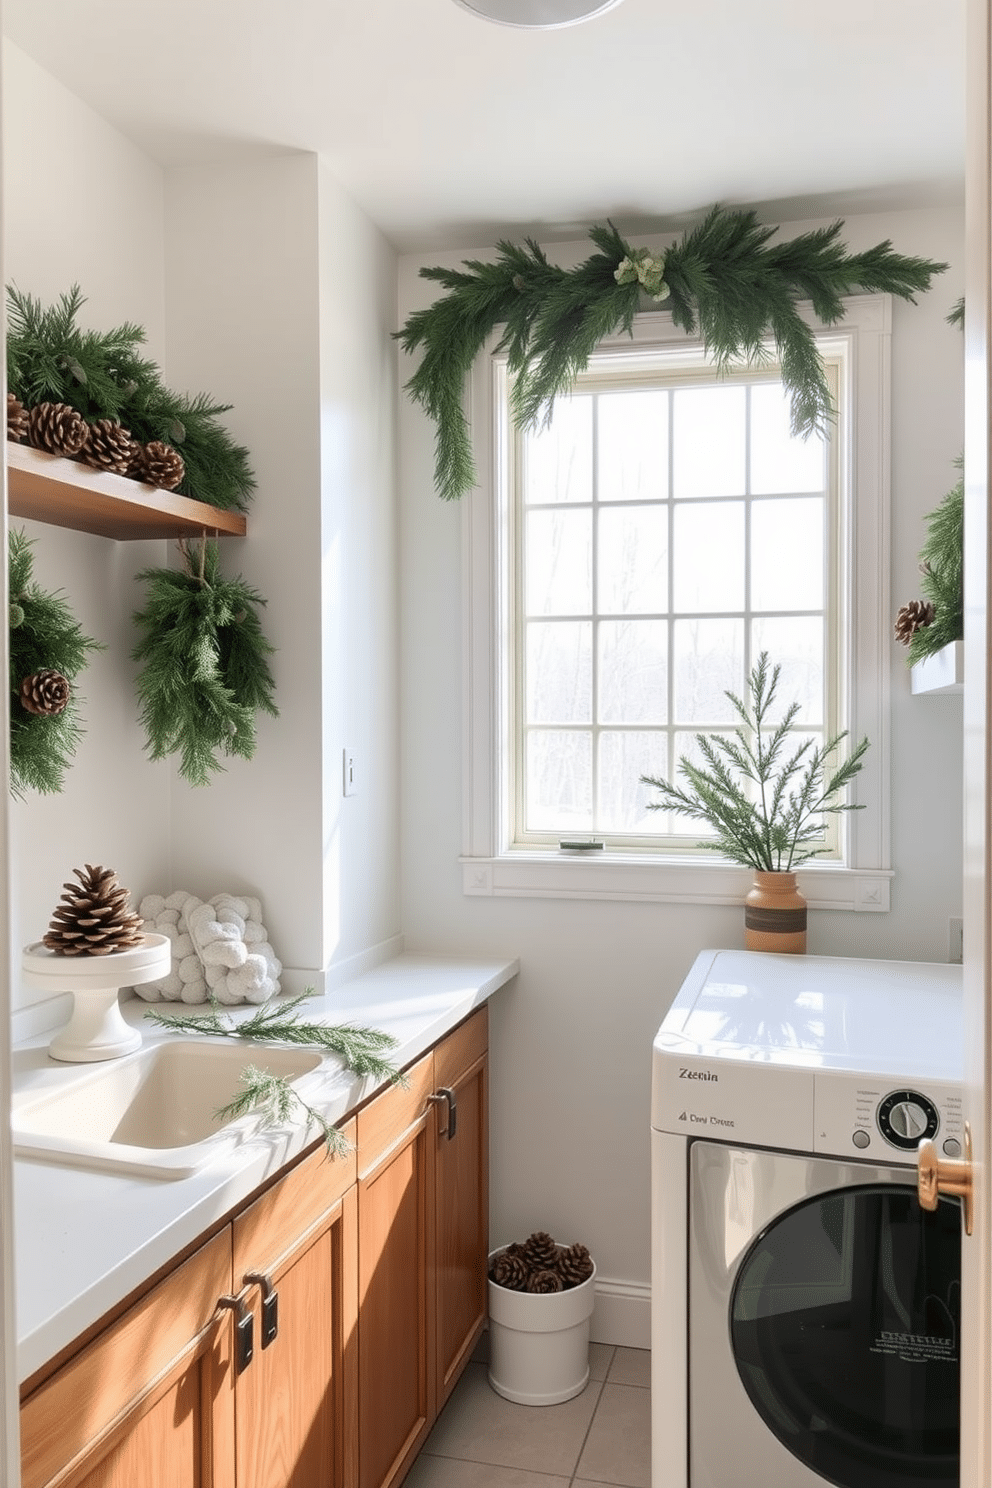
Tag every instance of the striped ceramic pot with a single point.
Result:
(775, 915)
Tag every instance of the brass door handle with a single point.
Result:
(935, 1177)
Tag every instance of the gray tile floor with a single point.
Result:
(601, 1436)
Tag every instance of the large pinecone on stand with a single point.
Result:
(58, 428)
(93, 917)
(17, 419)
(108, 446)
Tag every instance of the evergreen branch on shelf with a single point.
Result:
(102, 374)
(274, 1099)
(204, 664)
(725, 281)
(44, 635)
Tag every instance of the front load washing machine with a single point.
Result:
(805, 1310)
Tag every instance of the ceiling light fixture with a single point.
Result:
(537, 15)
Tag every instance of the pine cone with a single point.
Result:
(93, 917)
(574, 1265)
(540, 1251)
(510, 1271)
(544, 1281)
(911, 618)
(108, 446)
(161, 465)
(17, 419)
(45, 693)
(58, 428)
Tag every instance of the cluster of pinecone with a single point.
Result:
(93, 917)
(541, 1265)
(102, 443)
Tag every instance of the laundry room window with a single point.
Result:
(642, 550)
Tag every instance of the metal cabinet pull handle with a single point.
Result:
(448, 1096)
(270, 1304)
(935, 1177)
(244, 1330)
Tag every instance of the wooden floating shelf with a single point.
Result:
(64, 493)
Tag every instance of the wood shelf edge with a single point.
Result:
(63, 493)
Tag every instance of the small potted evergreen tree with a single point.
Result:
(764, 792)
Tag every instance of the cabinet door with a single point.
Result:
(150, 1400)
(296, 1400)
(462, 1198)
(395, 1277)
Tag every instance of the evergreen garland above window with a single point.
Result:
(725, 281)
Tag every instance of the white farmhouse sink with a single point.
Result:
(152, 1113)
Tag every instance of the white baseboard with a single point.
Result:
(622, 1314)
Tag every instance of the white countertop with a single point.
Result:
(85, 1239)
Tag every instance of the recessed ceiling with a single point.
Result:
(450, 132)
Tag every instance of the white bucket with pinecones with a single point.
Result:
(541, 1298)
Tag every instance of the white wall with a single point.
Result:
(99, 223)
(264, 286)
(572, 1037)
(281, 298)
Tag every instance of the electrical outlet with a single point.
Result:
(955, 940)
(350, 783)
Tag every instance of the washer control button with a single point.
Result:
(861, 1139)
(905, 1117)
(952, 1147)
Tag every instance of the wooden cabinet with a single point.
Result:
(376, 1264)
(149, 1401)
(462, 1200)
(295, 1262)
(422, 1241)
(159, 1399)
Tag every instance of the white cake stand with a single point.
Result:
(97, 1029)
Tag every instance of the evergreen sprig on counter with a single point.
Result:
(273, 1098)
(102, 374)
(725, 281)
(363, 1051)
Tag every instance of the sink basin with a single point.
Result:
(152, 1113)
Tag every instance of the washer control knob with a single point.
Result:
(861, 1139)
(906, 1118)
(952, 1147)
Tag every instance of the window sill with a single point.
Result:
(551, 875)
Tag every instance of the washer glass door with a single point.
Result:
(844, 1317)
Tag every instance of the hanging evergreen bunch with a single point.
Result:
(204, 664)
(927, 626)
(725, 281)
(102, 374)
(47, 651)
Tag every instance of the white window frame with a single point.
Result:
(490, 865)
